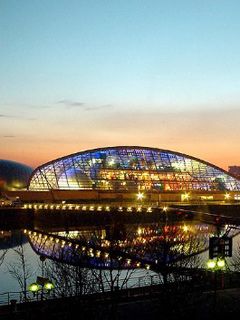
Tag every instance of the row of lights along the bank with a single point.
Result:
(139, 208)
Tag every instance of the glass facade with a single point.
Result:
(131, 169)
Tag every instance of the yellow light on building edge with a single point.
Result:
(140, 196)
(227, 196)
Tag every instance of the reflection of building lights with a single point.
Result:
(185, 228)
(111, 162)
(139, 231)
(98, 253)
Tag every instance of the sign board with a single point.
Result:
(220, 247)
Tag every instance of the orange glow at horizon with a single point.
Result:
(206, 136)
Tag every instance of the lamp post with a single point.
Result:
(216, 266)
(42, 285)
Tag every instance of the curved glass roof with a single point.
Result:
(131, 169)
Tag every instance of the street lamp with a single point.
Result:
(215, 265)
(48, 286)
(40, 285)
(34, 287)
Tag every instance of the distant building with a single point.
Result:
(14, 175)
(235, 171)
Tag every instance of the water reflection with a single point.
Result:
(11, 238)
(148, 246)
(85, 258)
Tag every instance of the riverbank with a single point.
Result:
(183, 303)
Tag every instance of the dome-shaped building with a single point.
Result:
(131, 169)
(14, 175)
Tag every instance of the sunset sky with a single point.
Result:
(77, 75)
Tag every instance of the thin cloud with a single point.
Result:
(8, 116)
(78, 104)
(70, 103)
(9, 136)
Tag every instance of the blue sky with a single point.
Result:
(82, 74)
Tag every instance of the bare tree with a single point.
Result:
(2, 256)
(21, 269)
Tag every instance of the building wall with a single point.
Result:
(95, 196)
